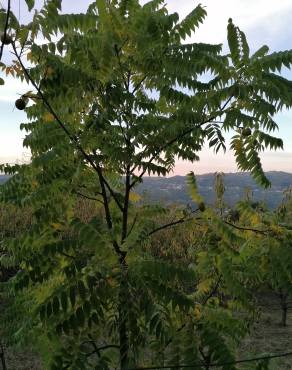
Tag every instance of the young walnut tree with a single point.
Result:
(114, 94)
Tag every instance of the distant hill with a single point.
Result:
(173, 189)
(3, 178)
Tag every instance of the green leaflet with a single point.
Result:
(234, 42)
(30, 4)
(188, 25)
(192, 184)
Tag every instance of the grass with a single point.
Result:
(268, 336)
(21, 359)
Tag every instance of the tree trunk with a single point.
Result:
(284, 307)
(123, 319)
(2, 356)
(206, 359)
(123, 294)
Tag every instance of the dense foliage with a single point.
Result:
(117, 93)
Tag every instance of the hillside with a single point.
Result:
(173, 189)
(3, 178)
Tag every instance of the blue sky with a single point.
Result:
(263, 21)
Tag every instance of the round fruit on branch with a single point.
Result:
(6, 39)
(201, 206)
(20, 104)
(246, 132)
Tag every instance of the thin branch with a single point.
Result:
(2, 356)
(139, 84)
(112, 193)
(108, 218)
(117, 51)
(133, 224)
(180, 221)
(5, 28)
(221, 122)
(171, 339)
(108, 346)
(206, 359)
(31, 97)
(105, 201)
(122, 131)
(173, 223)
(98, 349)
(126, 204)
(23, 46)
(67, 255)
(89, 197)
(219, 364)
(128, 79)
(247, 228)
(213, 291)
(172, 141)
(86, 188)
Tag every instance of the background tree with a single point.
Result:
(118, 95)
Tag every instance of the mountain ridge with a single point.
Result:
(173, 189)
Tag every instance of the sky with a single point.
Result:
(263, 21)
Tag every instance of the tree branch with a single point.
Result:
(67, 255)
(72, 137)
(213, 291)
(133, 224)
(216, 365)
(108, 346)
(172, 141)
(89, 198)
(98, 349)
(247, 228)
(174, 223)
(139, 84)
(2, 357)
(117, 51)
(126, 204)
(108, 218)
(5, 28)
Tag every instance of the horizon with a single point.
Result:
(202, 174)
(213, 173)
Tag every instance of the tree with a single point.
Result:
(117, 93)
(269, 251)
(278, 259)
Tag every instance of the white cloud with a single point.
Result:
(210, 162)
(11, 147)
(245, 13)
(12, 89)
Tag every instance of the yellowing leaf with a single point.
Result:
(49, 71)
(134, 197)
(29, 56)
(205, 286)
(255, 219)
(48, 117)
(197, 312)
(56, 225)
(111, 282)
